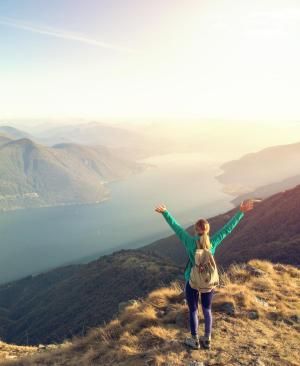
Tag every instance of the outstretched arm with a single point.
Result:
(180, 232)
(220, 235)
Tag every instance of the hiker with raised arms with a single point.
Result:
(201, 275)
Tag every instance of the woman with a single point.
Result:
(201, 239)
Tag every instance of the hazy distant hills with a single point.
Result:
(14, 133)
(271, 231)
(67, 301)
(129, 143)
(91, 134)
(269, 189)
(254, 170)
(33, 175)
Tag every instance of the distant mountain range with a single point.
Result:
(127, 142)
(273, 165)
(33, 175)
(93, 133)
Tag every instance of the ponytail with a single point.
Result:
(204, 241)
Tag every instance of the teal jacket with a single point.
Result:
(190, 242)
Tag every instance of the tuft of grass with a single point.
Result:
(157, 335)
(162, 297)
(174, 311)
(237, 274)
(262, 284)
(140, 316)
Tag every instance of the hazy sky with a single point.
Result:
(220, 59)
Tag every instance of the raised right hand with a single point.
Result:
(161, 208)
(246, 205)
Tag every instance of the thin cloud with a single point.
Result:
(14, 23)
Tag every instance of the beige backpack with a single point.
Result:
(204, 274)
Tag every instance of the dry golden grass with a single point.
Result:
(151, 331)
(162, 297)
(10, 351)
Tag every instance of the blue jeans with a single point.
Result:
(192, 297)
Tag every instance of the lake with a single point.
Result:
(36, 240)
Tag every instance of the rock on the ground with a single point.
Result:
(253, 270)
(261, 301)
(226, 307)
(295, 318)
(253, 314)
(196, 363)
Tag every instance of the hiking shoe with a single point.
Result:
(192, 342)
(205, 342)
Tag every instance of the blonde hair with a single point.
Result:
(204, 241)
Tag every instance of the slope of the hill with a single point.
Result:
(256, 322)
(58, 304)
(270, 231)
(33, 175)
(264, 167)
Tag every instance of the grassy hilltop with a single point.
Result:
(256, 322)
